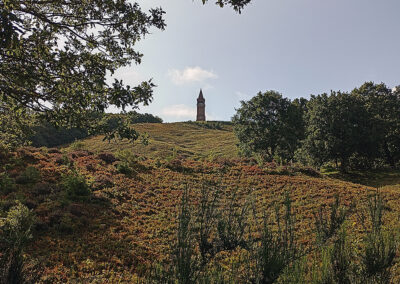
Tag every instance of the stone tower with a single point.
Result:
(201, 107)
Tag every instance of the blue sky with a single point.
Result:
(296, 47)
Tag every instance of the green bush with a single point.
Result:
(76, 187)
(124, 168)
(77, 145)
(7, 184)
(15, 231)
(31, 175)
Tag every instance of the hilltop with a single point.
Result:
(186, 139)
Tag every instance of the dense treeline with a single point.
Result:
(359, 129)
(46, 134)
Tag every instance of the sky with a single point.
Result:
(295, 47)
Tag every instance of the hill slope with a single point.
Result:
(129, 221)
(187, 139)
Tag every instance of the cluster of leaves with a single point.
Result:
(269, 125)
(357, 129)
(15, 234)
(60, 52)
(76, 187)
(373, 264)
(238, 5)
(15, 127)
(46, 134)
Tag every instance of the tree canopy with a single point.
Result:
(55, 55)
(357, 129)
(237, 5)
(269, 125)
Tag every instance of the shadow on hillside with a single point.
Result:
(378, 178)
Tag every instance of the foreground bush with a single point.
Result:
(15, 233)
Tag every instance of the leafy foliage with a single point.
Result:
(269, 125)
(357, 130)
(15, 232)
(76, 187)
(237, 5)
(7, 184)
(97, 37)
(15, 127)
(29, 176)
(380, 248)
(327, 226)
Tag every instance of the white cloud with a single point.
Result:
(182, 112)
(190, 75)
(179, 112)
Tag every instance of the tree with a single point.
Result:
(336, 128)
(15, 127)
(269, 125)
(237, 5)
(56, 55)
(383, 107)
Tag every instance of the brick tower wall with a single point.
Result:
(201, 107)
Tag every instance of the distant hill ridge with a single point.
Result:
(187, 139)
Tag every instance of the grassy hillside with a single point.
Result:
(194, 140)
(129, 222)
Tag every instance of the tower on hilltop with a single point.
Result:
(201, 107)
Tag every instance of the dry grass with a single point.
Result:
(130, 221)
(186, 139)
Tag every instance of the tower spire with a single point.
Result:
(201, 107)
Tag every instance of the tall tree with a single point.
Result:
(269, 125)
(383, 107)
(336, 127)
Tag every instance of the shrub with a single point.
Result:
(31, 175)
(108, 158)
(124, 168)
(175, 165)
(15, 234)
(43, 188)
(7, 184)
(327, 228)
(232, 224)
(77, 145)
(76, 187)
(337, 262)
(380, 248)
(276, 250)
(63, 160)
(186, 264)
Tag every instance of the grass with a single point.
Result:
(189, 140)
(130, 220)
(372, 178)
